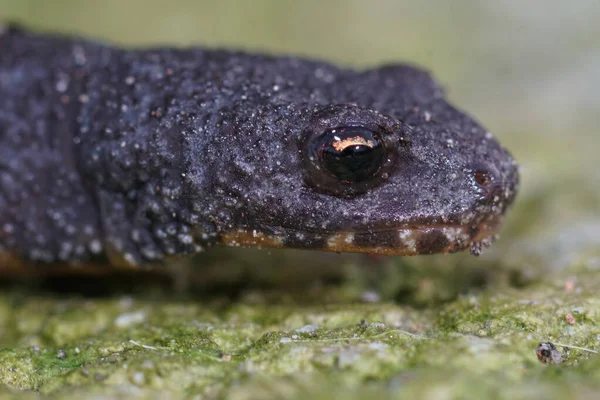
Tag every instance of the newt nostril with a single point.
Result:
(488, 183)
(483, 178)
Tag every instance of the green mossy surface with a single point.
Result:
(288, 342)
(250, 324)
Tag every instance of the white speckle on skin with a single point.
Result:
(70, 230)
(332, 241)
(466, 218)
(62, 85)
(349, 238)
(407, 238)
(128, 257)
(452, 234)
(185, 238)
(8, 228)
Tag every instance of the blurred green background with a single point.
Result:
(530, 71)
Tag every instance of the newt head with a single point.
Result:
(378, 174)
(136, 155)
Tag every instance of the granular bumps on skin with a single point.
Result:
(138, 155)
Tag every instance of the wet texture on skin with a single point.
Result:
(141, 154)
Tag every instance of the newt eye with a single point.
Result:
(347, 161)
(352, 154)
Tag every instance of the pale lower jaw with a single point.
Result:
(405, 241)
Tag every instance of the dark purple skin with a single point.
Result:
(136, 155)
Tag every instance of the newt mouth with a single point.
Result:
(400, 241)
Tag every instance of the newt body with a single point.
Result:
(136, 155)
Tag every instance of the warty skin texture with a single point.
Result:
(136, 155)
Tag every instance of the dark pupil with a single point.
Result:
(352, 154)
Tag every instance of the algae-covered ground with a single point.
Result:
(289, 324)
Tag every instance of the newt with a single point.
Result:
(131, 156)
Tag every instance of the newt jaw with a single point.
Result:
(403, 241)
